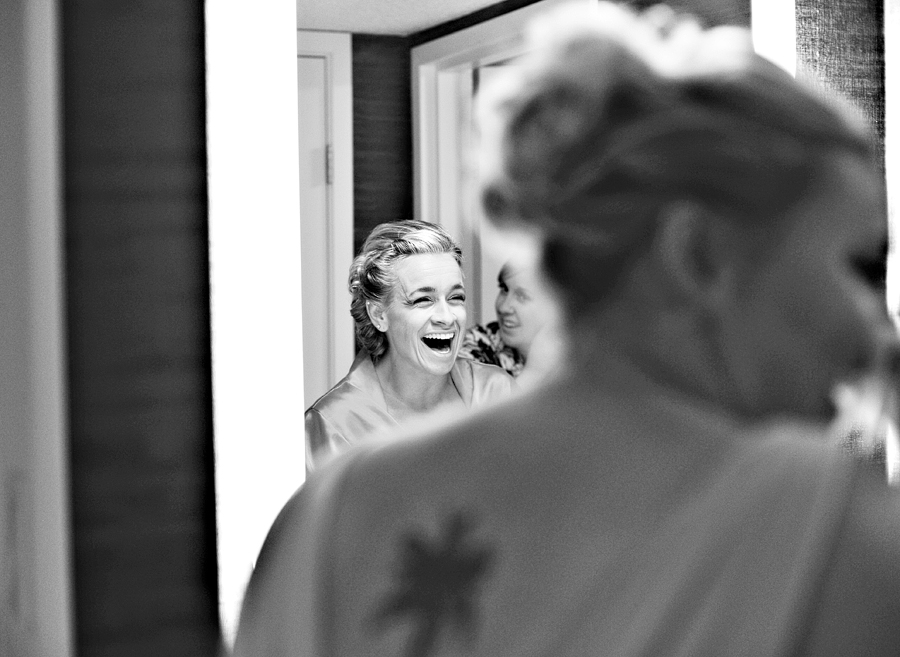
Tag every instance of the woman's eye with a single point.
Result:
(872, 267)
(421, 301)
(461, 298)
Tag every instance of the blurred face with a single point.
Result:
(523, 307)
(810, 314)
(426, 314)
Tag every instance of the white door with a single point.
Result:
(326, 207)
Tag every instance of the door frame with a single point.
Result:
(441, 72)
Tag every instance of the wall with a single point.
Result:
(35, 614)
(382, 132)
(16, 532)
(253, 188)
(138, 310)
(841, 43)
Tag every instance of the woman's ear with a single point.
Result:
(695, 253)
(377, 315)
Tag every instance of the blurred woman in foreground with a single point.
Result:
(408, 301)
(709, 221)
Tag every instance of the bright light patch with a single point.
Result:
(774, 29)
(254, 231)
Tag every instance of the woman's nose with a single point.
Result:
(503, 304)
(442, 314)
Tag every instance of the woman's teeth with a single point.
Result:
(438, 341)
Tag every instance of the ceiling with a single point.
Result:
(403, 17)
(398, 17)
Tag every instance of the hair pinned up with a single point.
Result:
(372, 272)
(612, 115)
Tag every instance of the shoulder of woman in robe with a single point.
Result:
(859, 600)
(489, 383)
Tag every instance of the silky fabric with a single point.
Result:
(354, 409)
(566, 524)
(485, 345)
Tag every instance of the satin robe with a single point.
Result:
(569, 525)
(355, 408)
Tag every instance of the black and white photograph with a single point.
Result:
(432, 328)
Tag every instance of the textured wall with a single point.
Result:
(138, 306)
(841, 43)
(382, 132)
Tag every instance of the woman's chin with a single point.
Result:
(510, 338)
(438, 362)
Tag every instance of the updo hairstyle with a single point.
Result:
(613, 116)
(372, 275)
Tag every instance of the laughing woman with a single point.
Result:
(409, 306)
(527, 317)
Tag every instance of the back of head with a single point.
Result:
(371, 273)
(613, 115)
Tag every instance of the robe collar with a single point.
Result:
(362, 375)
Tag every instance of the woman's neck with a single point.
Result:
(661, 348)
(410, 391)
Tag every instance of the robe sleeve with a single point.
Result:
(491, 384)
(323, 440)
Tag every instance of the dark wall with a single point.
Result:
(138, 323)
(382, 132)
(841, 44)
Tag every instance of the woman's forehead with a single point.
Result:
(424, 270)
(524, 277)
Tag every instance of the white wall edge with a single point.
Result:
(255, 276)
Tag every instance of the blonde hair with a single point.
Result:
(372, 277)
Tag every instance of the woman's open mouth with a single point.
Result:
(439, 342)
